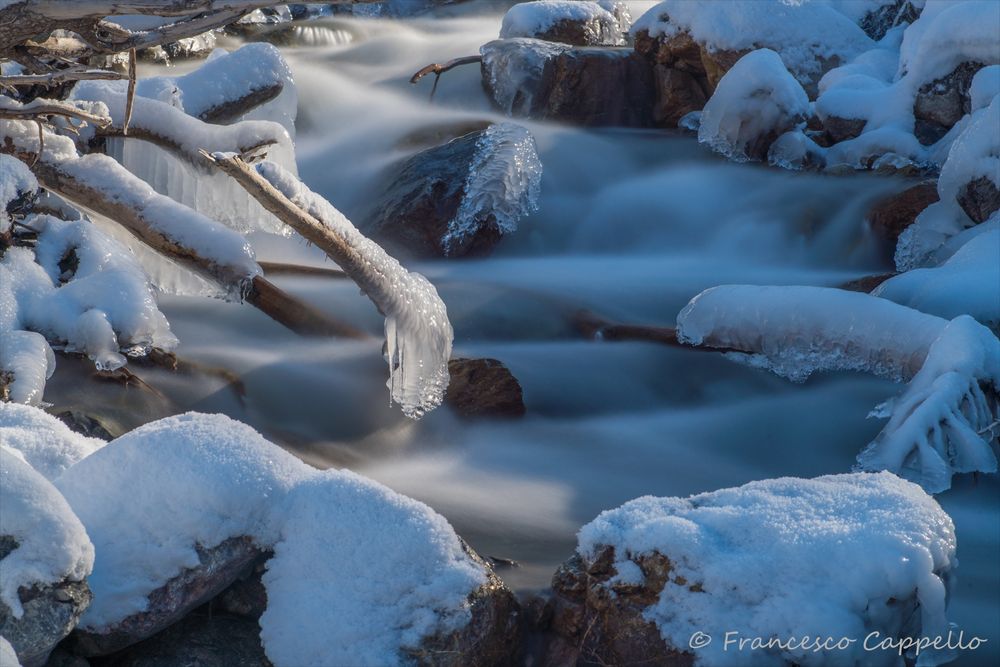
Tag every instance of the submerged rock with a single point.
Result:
(219, 567)
(483, 388)
(461, 197)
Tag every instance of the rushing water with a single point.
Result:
(631, 225)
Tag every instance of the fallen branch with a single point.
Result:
(45, 108)
(438, 69)
(59, 77)
(595, 327)
(282, 269)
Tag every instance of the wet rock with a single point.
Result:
(483, 388)
(867, 283)
(491, 638)
(50, 613)
(678, 93)
(979, 199)
(84, 424)
(218, 568)
(597, 623)
(247, 597)
(877, 22)
(942, 103)
(459, 198)
(199, 640)
(589, 86)
(841, 129)
(60, 657)
(890, 216)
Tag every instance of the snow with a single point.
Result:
(417, 331)
(504, 182)
(359, 574)
(8, 658)
(789, 558)
(47, 444)
(754, 99)
(985, 86)
(967, 283)
(26, 356)
(941, 423)
(15, 181)
(531, 19)
(803, 33)
(52, 544)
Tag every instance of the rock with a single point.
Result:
(219, 567)
(593, 623)
(979, 199)
(246, 597)
(493, 635)
(841, 129)
(458, 198)
(890, 216)
(84, 424)
(60, 657)
(483, 388)
(867, 283)
(942, 103)
(589, 86)
(199, 640)
(678, 93)
(877, 22)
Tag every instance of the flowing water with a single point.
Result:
(631, 225)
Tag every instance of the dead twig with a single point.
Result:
(437, 69)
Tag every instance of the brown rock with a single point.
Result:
(942, 103)
(595, 622)
(677, 94)
(247, 597)
(841, 129)
(219, 567)
(890, 216)
(979, 199)
(483, 388)
(867, 283)
(717, 63)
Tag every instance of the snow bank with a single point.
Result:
(359, 574)
(531, 19)
(504, 181)
(805, 34)
(789, 558)
(52, 543)
(755, 102)
(46, 443)
(8, 658)
(947, 34)
(417, 331)
(941, 423)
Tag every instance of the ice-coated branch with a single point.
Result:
(945, 420)
(418, 333)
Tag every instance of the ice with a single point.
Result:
(417, 331)
(826, 557)
(943, 421)
(967, 283)
(754, 99)
(26, 357)
(7, 656)
(52, 544)
(803, 33)
(359, 575)
(47, 444)
(504, 182)
(514, 68)
(528, 19)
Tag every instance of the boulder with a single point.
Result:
(941, 103)
(678, 93)
(841, 129)
(588, 86)
(483, 388)
(218, 568)
(580, 23)
(458, 198)
(595, 621)
(50, 613)
(890, 216)
(979, 198)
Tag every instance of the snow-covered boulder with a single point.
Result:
(837, 556)
(359, 575)
(942, 422)
(577, 22)
(756, 102)
(45, 556)
(45, 442)
(461, 197)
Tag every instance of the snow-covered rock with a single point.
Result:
(940, 425)
(578, 22)
(756, 102)
(45, 555)
(45, 442)
(360, 575)
(836, 556)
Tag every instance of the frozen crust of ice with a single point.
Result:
(52, 543)
(789, 558)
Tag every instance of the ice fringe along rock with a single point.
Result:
(756, 102)
(504, 181)
(418, 334)
(360, 575)
(786, 558)
(945, 420)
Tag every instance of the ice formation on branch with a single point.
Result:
(52, 544)
(504, 181)
(47, 444)
(788, 558)
(378, 572)
(756, 101)
(530, 19)
(943, 423)
(417, 330)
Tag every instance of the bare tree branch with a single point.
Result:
(45, 108)
(59, 77)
